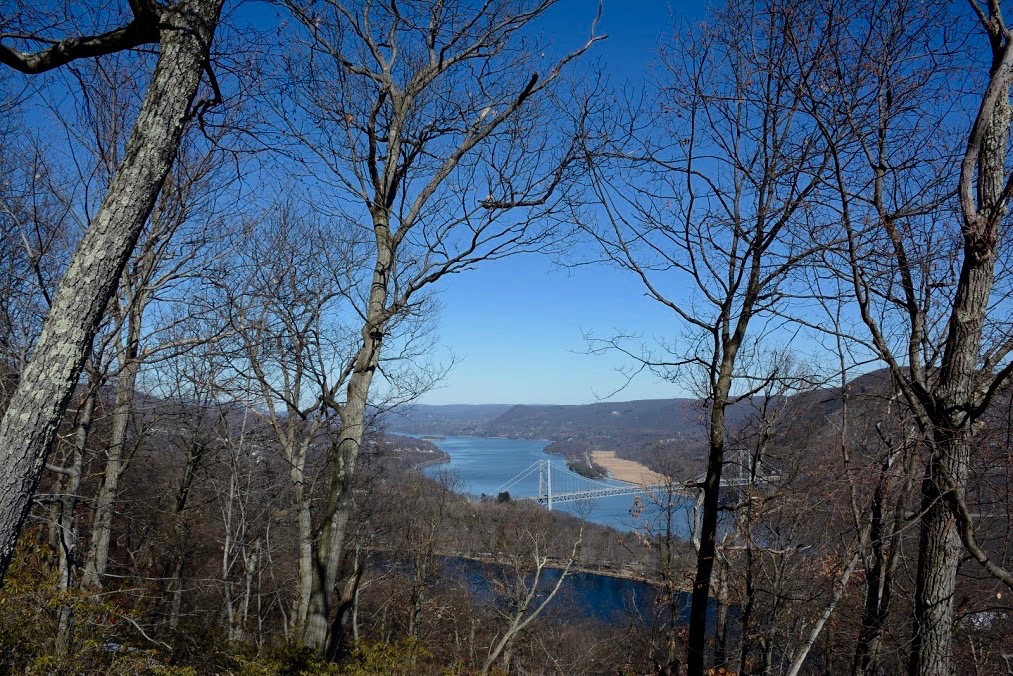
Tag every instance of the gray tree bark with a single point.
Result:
(186, 30)
(116, 462)
(353, 424)
(68, 519)
(958, 395)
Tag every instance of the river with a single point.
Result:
(612, 600)
(484, 464)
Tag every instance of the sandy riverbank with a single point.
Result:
(627, 470)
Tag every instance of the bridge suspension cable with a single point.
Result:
(510, 483)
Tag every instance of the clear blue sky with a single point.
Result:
(516, 326)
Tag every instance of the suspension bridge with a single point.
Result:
(558, 484)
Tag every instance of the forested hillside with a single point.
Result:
(462, 419)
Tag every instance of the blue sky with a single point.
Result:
(516, 326)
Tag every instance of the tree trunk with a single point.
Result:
(346, 609)
(339, 504)
(90, 280)
(745, 524)
(116, 463)
(879, 576)
(947, 470)
(68, 519)
(304, 531)
(251, 563)
(814, 633)
(721, 614)
(936, 582)
(697, 648)
(353, 425)
(181, 530)
(746, 622)
(955, 397)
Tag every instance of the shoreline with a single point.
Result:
(686, 587)
(431, 438)
(438, 461)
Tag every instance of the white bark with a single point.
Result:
(116, 462)
(68, 522)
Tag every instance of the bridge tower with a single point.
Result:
(545, 482)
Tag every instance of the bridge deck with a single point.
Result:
(596, 493)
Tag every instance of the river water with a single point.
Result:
(612, 600)
(484, 465)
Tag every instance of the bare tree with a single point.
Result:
(160, 289)
(430, 130)
(923, 215)
(289, 312)
(707, 206)
(183, 30)
(524, 544)
(246, 511)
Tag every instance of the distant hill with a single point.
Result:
(458, 419)
(650, 416)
